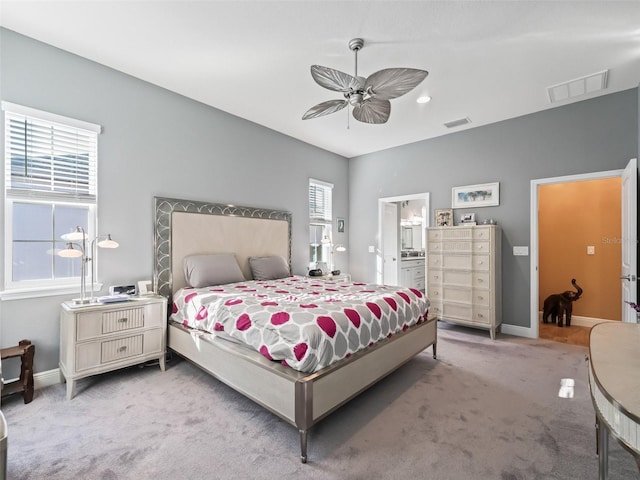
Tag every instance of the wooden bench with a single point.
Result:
(26, 351)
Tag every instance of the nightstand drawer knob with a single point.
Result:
(123, 320)
(123, 348)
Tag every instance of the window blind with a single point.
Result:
(49, 160)
(320, 201)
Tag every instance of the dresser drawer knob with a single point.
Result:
(123, 320)
(123, 348)
(480, 315)
(479, 297)
(480, 280)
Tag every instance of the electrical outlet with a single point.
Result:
(372, 249)
(591, 250)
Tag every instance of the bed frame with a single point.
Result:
(187, 227)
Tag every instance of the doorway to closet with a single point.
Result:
(584, 228)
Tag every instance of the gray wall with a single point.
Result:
(594, 135)
(159, 143)
(155, 143)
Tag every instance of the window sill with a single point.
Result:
(37, 292)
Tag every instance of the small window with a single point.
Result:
(320, 218)
(50, 189)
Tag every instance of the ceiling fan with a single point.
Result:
(369, 96)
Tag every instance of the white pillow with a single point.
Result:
(269, 268)
(212, 269)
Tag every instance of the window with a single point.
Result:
(50, 188)
(320, 217)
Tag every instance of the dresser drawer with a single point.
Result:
(458, 262)
(481, 315)
(482, 233)
(481, 279)
(481, 262)
(435, 308)
(481, 297)
(482, 247)
(453, 310)
(450, 277)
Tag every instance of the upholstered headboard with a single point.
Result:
(184, 227)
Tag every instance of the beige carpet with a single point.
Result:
(484, 410)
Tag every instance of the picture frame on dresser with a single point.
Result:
(480, 195)
(443, 217)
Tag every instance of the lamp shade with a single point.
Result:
(70, 252)
(77, 234)
(108, 243)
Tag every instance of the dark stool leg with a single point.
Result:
(26, 369)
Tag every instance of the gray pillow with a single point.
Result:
(269, 268)
(212, 269)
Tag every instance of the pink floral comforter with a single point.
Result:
(302, 322)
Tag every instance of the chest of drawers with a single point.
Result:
(464, 275)
(100, 338)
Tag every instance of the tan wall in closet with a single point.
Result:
(571, 217)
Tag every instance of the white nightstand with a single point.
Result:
(343, 277)
(98, 338)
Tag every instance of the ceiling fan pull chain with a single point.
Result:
(348, 126)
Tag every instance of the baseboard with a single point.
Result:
(579, 321)
(517, 330)
(46, 379)
(42, 379)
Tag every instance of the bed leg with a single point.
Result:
(434, 351)
(303, 446)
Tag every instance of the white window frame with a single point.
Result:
(326, 222)
(42, 287)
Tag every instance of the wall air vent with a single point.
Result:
(578, 87)
(457, 123)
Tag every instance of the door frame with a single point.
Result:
(533, 331)
(426, 196)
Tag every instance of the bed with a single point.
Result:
(185, 228)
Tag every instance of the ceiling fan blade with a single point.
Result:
(324, 108)
(334, 79)
(394, 82)
(373, 110)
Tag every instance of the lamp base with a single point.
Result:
(81, 301)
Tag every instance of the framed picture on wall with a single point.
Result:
(443, 217)
(482, 195)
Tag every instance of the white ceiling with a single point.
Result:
(488, 61)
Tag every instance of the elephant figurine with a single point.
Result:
(559, 304)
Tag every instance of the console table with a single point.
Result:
(614, 382)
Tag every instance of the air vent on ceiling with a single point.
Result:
(579, 86)
(457, 123)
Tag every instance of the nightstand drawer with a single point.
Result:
(102, 322)
(121, 348)
(90, 355)
(122, 320)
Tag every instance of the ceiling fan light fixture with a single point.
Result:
(355, 99)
